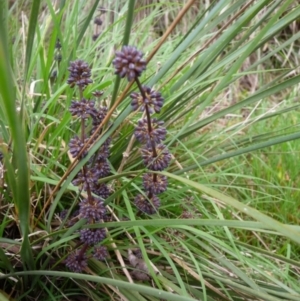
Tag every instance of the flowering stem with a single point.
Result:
(82, 119)
(149, 129)
(82, 140)
(82, 251)
(148, 118)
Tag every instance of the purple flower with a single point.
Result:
(145, 205)
(80, 74)
(101, 190)
(157, 134)
(90, 178)
(100, 252)
(92, 236)
(83, 108)
(158, 163)
(101, 168)
(129, 63)
(76, 261)
(153, 100)
(76, 146)
(92, 210)
(156, 186)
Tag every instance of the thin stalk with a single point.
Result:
(148, 118)
(84, 172)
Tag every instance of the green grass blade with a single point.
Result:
(31, 33)
(118, 283)
(255, 214)
(242, 151)
(19, 168)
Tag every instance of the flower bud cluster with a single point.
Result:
(97, 23)
(150, 132)
(58, 58)
(91, 208)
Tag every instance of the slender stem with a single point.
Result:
(82, 119)
(148, 118)
(150, 194)
(82, 251)
(84, 171)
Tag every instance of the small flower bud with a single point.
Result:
(98, 21)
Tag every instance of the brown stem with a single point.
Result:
(82, 251)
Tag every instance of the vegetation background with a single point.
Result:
(228, 227)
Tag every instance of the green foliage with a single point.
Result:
(228, 224)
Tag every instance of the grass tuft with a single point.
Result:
(226, 227)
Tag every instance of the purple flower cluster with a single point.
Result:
(129, 63)
(92, 208)
(80, 74)
(150, 132)
(76, 261)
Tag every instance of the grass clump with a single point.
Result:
(159, 171)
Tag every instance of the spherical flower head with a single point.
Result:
(98, 21)
(104, 151)
(83, 109)
(92, 236)
(101, 168)
(80, 74)
(147, 205)
(101, 190)
(93, 210)
(158, 163)
(157, 134)
(129, 63)
(95, 36)
(87, 179)
(100, 253)
(76, 146)
(155, 184)
(153, 100)
(76, 261)
(98, 118)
